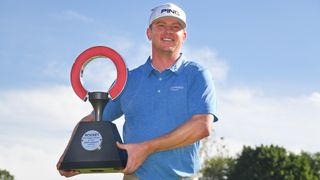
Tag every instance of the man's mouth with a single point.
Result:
(167, 39)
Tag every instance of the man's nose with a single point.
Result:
(169, 28)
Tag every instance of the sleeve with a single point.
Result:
(202, 94)
(112, 111)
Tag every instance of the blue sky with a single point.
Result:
(264, 56)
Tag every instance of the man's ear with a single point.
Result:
(149, 33)
(184, 35)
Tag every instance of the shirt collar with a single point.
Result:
(148, 66)
(175, 68)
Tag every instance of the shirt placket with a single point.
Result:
(161, 85)
(159, 88)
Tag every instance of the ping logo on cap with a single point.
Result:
(170, 11)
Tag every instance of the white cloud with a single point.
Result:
(99, 75)
(53, 106)
(133, 53)
(36, 125)
(209, 59)
(55, 70)
(72, 15)
(252, 118)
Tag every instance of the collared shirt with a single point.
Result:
(154, 104)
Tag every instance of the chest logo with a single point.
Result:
(176, 88)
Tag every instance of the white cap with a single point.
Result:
(168, 10)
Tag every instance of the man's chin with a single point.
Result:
(168, 49)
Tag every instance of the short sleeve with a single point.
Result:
(112, 111)
(202, 94)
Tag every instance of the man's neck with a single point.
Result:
(163, 61)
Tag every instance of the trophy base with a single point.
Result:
(93, 167)
(93, 149)
(98, 170)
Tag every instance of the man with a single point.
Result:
(168, 104)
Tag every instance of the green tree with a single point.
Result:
(218, 168)
(315, 164)
(302, 167)
(5, 175)
(261, 163)
(273, 162)
(220, 164)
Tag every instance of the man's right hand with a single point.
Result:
(70, 173)
(88, 118)
(63, 172)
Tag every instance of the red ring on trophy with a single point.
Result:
(90, 54)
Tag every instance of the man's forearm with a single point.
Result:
(198, 127)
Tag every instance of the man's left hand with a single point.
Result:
(137, 153)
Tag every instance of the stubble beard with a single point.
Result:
(166, 50)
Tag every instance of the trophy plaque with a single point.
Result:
(92, 148)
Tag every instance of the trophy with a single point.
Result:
(92, 148)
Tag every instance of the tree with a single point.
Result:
(315, 164)
(263, 163)
(302, 166)
(274, 162)
(260, 163)
(5, 175)
(218, 168)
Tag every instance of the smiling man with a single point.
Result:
(169, 105)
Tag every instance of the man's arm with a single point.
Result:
(198, 127)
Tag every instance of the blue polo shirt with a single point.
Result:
(154, 104)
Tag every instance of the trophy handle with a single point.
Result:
(90, 54)
(98, 101)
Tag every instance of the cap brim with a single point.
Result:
(184, 25)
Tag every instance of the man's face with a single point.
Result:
(167, 35)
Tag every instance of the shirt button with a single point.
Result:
(158, 91)
(160, 79)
